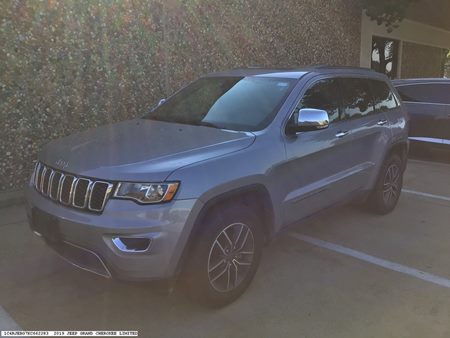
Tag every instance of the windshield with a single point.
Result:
(236, 103)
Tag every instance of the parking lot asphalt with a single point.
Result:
(346, 273)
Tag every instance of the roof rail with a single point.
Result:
(340, 67)
(249, 67)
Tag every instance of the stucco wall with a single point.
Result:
(70, 65)
(422, 61)
(430, 12)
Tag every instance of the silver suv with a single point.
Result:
(199, 184)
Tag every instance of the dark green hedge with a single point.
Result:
(70, 65)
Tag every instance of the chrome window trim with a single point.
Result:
(430, 140)
(427, 103)
(337, 76)
(421, 83)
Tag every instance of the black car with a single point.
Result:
(428, 104)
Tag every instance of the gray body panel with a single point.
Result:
(141, 150)
(430, 120)
(302, 173)
(166, 225)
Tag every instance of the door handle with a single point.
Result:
(382, 122)
(341, 134)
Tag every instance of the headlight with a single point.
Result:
(147, 192)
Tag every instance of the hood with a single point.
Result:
(140, 150)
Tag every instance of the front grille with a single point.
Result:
(78, 192)
(82, 187)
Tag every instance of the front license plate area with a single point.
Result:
(45, 224)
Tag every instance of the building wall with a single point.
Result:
(70, 65)
(421, 61)
(431, 12)
(410, 33)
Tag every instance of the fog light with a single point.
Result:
(132, 244)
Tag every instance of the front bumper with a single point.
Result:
(83, 235)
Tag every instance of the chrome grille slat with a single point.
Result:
(61, 180)
(81, 192)
(39, 177)
(54, 186)
(46, 183)
(35, 172)
(50, 183)
(105, 196)
(68, 184)
(43, 179)
(70, 190)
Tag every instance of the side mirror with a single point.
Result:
(308, 119)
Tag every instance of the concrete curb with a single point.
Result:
(11, 198)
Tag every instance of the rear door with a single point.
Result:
(317, 169)
(428, 105)
(365, 104)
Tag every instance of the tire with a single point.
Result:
(210, 276)
(386, 193)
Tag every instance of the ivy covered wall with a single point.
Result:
(70, 65)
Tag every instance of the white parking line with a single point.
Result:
(6, 322)
(441, 281)
(424, 194)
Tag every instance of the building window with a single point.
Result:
(385, 56)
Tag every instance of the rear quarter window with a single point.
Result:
(356, 98)
(383, 97)
(426, 93)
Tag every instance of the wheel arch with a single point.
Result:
(400, 149)
(255, 196)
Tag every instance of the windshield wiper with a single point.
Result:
(194, 123)
(206, 124)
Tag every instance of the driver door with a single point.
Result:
(318, 162)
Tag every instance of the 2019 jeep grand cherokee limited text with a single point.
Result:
(203, 180)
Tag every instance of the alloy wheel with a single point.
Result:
(230, 257)
(391, 185)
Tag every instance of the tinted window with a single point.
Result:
(323, 95)
(383, 97)
(430, 93)
(239, 103)
(356, 98)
